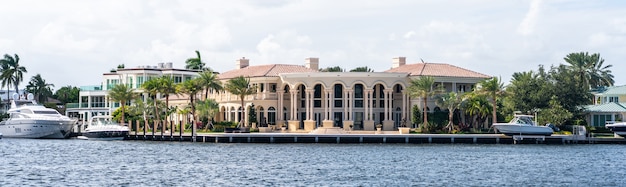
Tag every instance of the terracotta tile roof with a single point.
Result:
(437, 69)
(271, 70)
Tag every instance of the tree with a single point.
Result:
(152, 88)
(12, 72)
(240, 86)
(195, 63)
(423, 87)
(167, 87)
(477, 106)
(528, 91)
(122, 94)
(555, 114)
(450, 101)
(493, 89)
(207, 108)
(332, 69)
(362, 69)
(208, 80)
(191, 88)
(417, 115)
(589, 69)
(38, 87)
(67, 94)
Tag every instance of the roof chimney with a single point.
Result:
(398, 61)
(312, 63)
(242, 63)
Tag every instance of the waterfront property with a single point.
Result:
(607, 107)
(94, 101)
(301, 98)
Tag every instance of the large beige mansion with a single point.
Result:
(302, 98)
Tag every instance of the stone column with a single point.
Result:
(328, 122)
(349, 119)
(388, 120)
(309, 124)
(368, 124)
(293, 122)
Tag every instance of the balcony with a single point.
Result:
(91, 88)
(76, 105)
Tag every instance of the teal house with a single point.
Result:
(609, 106)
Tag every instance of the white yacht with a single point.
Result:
(27, 119)
(104, 128)
(522, 125)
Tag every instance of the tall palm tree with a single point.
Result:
(590, 69)
(195, 63)
(40, 88)
(493, 89)
(12, 72)
(423, 87)
(241, 87)
(208, 80)
(167, 87)
(450, 101)
(122, 94)
(152, 88)
(191, 88)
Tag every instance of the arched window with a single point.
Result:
(358, 96)
(271, 116)
(338, 95)
(262, 119)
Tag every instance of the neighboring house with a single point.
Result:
(609, 105)
(94, 100)
(304, 99)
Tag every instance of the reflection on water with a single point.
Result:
(98, 163)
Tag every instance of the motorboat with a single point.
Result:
(618, 128)
(104, 128)
(522, 125)
(27, 119)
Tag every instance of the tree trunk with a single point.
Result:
(425, 112)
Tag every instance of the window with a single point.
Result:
(271, 116)
(358, 96)
(97, 101)
(317, 96)
(614, 99)
(338, 95)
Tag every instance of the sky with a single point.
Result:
(72, 43)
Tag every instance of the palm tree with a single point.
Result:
(207, 108)
(493, 89)
(166, 88)
(195, 63)
(590, 69)
(332, 69)
(39, 88)
(450, 101)
(12, 72)
(152, 88)
(240, 86)
(423, 88)
(122, 94)
(476, 106)
(208, 80)
(191, 88)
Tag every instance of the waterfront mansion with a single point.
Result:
(300, 97)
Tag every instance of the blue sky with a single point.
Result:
(74, 42)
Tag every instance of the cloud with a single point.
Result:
(527, 26)
(409, 34)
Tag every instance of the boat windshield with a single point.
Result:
(45, 112)
(103, 121)
(523, 120)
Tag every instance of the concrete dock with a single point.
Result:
(373, 138)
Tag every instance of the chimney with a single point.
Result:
(312, 63)
(398, 61)
(242, 63)
(161, 65)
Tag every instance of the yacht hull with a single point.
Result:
(106, 134)
(32, 128)
(516, 129)
(617, 128)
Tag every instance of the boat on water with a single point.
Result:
(27, 119)
(522, 125)
(104, 128)
(618, 128)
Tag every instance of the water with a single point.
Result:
(26, 162)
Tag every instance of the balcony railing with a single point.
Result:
(91, 88)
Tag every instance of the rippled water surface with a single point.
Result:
(26, 162)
